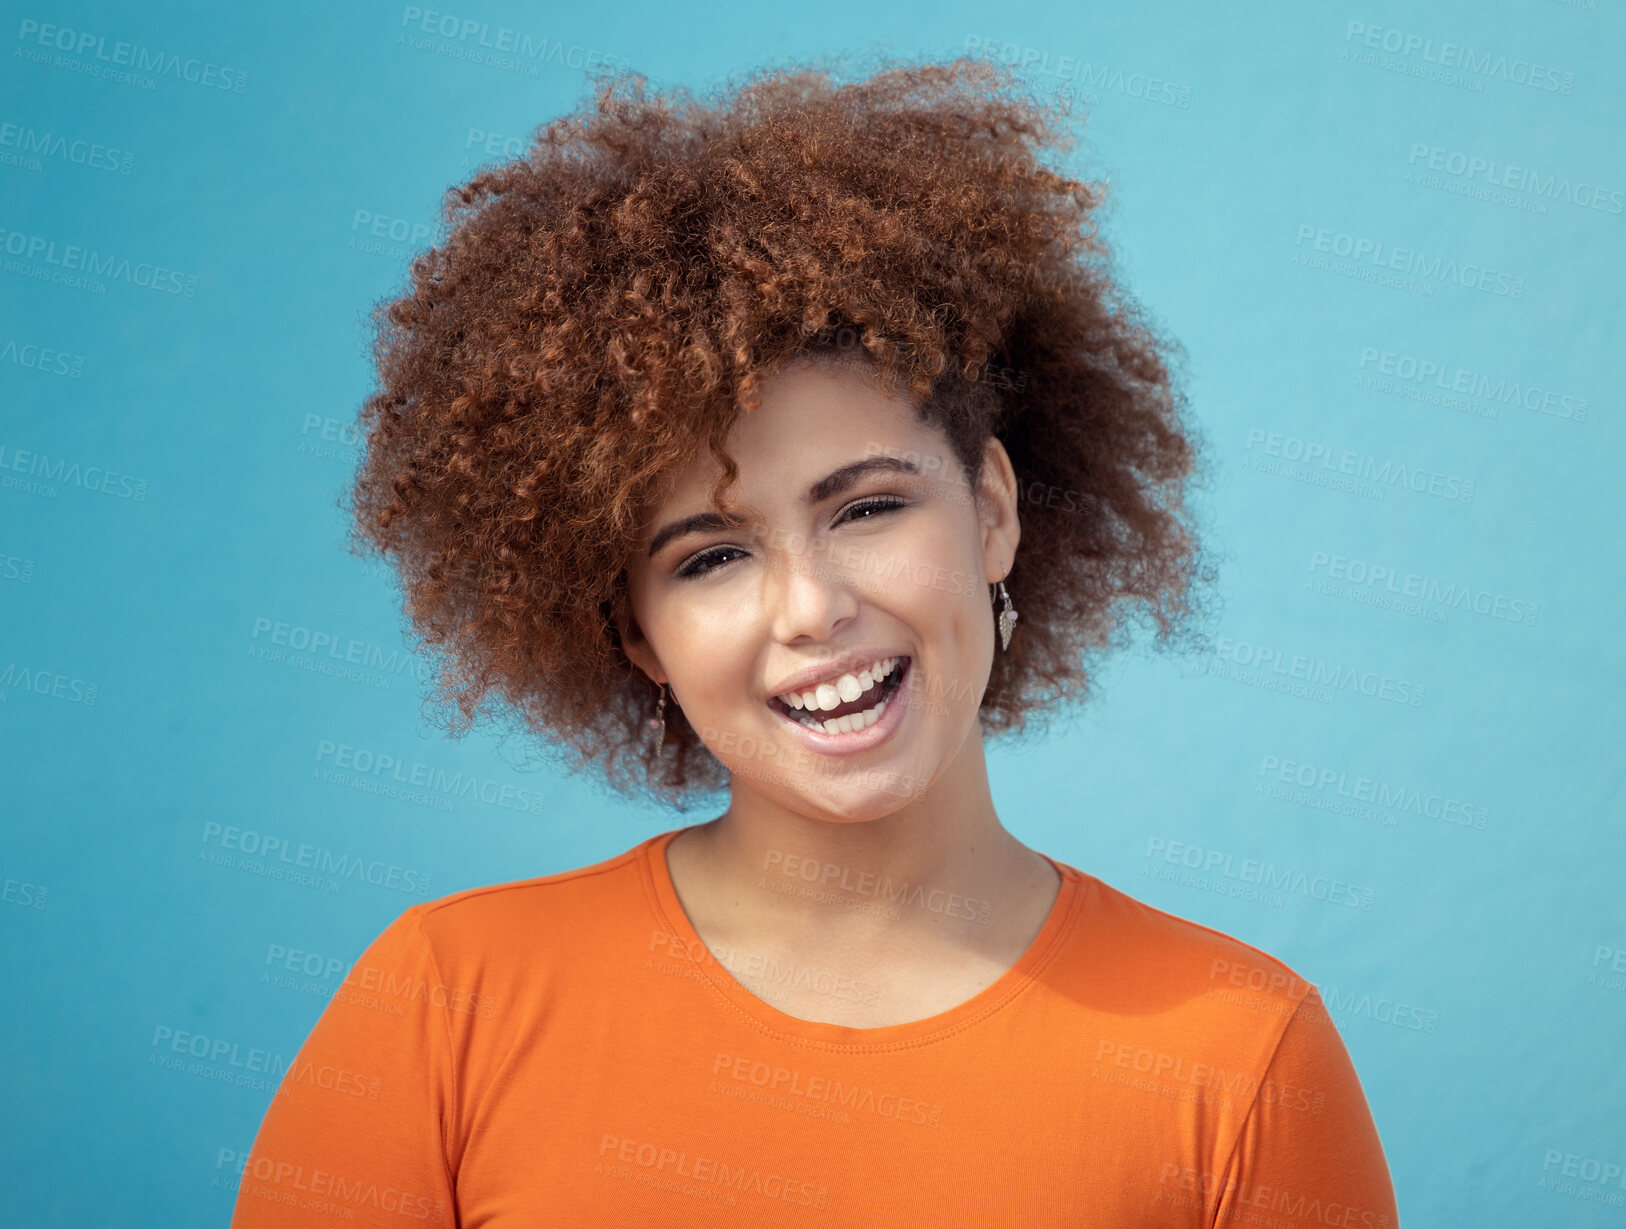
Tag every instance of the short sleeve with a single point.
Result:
(356, 1129)
(1308, 1152)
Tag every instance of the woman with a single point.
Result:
(789, 446)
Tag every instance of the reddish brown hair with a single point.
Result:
(601, 309)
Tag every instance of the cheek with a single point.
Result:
(747, 754)
(708, 652)
(943, 599)
(706, 623)
(938, 576)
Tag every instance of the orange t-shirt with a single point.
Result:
(565, 1051)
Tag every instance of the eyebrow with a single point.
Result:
(833, 483)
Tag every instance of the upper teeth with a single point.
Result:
(847, 687)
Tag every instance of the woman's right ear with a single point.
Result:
(638, 649)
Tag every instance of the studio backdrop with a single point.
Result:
(1391, 241)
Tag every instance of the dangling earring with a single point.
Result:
(658, 722)
(1007, 618)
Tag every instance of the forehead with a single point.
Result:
(814, 417)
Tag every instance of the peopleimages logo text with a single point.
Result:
(74, 258)
(134, 56)
(1496, 174)
(316, 859)
(1361, 249)
(1460, 56)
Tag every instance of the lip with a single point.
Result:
(830, 671)
(863, 740)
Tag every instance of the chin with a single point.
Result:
(853, 805)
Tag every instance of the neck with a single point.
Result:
(940, 865)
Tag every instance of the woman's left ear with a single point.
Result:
(1001, 527)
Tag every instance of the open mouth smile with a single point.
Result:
(847, 707)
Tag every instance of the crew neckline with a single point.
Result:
(823, 1034)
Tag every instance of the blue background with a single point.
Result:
(1467, 781)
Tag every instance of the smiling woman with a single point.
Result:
(686, 447)
(848, 501)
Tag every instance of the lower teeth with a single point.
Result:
(813, 724)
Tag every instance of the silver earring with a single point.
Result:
(1007, 618)
(658, 722)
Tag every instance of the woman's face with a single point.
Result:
(861, 543)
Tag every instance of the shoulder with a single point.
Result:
(1165, 955)
(565, 910)
(1158, 983)
(1203, 1017)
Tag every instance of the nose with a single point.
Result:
(806, 596)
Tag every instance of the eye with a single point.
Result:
(705, 561)
(714, 557)
(881, 503)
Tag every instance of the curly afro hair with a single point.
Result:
(604, 307)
